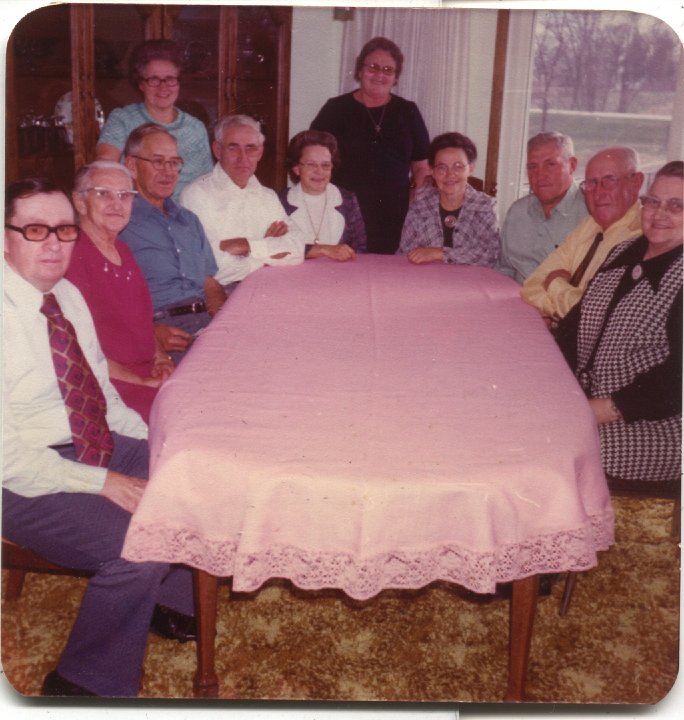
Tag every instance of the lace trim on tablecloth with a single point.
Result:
(364, 578)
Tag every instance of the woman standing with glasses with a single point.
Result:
(451, 222)
(328, 218)
(382, 141)
(155, 71)
(105, 271)
(623, 341)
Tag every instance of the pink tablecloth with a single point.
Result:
(370, 425)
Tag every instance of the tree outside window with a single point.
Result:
(605, 78)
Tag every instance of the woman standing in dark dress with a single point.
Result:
(624, 341)
(383, 143)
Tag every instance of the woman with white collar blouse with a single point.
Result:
(328, 218)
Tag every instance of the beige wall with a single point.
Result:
(316, 56)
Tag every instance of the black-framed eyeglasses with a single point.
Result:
(107, 194)
(174, 164)
(674, 206)
(384, 69)
(37, 232)
(156, 81)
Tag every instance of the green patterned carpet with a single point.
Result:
(619, 642)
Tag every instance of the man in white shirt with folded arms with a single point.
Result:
(244, 221)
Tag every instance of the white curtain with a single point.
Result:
(512, 175)
(436, 60)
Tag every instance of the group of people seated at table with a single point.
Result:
(107, 287)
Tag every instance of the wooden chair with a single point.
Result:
(645, 489)
(18, 561)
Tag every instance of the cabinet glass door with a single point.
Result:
(37, 96)
(118, 29)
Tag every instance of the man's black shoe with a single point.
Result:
(173, 625)
(54, 685)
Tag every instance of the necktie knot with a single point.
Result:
(50, 307)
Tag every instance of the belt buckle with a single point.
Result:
(195, 306)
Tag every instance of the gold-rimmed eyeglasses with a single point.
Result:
(443, 169)
(607, 182)
(107, 194)
(383, 69)
(673, 206)
(174, 164)
(156, 81)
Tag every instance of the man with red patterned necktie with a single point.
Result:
(75, 457)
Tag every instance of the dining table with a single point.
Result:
(372, 425)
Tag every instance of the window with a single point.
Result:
(605, 78)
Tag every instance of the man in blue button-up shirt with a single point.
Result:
(538, 222)
(169, 242)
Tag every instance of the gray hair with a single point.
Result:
(228, 121)
(135, 140)
(563, 142)
(82, 179)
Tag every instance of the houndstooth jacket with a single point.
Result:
(476, 238)
(629, 349)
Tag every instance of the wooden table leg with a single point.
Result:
(205, 592)
(523, 607)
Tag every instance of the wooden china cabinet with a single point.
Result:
(67, 68)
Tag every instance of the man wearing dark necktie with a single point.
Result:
(611, 192)
(75, 457)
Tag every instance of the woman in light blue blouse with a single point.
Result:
(155, 71)
(450, 221)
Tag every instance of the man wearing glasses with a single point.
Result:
(244, 221)
(169, 243)
(75, 458)
(611, 192)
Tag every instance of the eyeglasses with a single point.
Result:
(107, 194)
(442, 169)
(607, 182)
(673, 206)
(316, 166)
(174, 164)
(155, 81)
(36, 232)
(384, 69)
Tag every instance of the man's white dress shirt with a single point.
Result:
(228, 211)
(34, 414)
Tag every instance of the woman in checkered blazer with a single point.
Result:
(624, 341)
(450, 221)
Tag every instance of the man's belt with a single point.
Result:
(195, 307)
